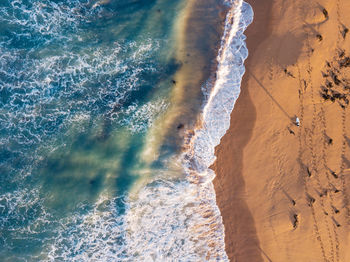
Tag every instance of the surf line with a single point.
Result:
(215, 121)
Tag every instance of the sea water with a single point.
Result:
(89, 169)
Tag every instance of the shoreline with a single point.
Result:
(282, 190)
(243, 115)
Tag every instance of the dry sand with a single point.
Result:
(283, 189)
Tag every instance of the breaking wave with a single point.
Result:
(168, 219)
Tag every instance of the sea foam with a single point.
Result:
(180, 221)
(168, 220)
(216, 119)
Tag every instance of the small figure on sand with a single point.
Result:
(296, 221)
(311, 200)
(344, 32)
(336, 210)
(335, 222)
(325, 13)
(308, 172)
(334, 174)
(290, 131)
(288, 73)
(330, 141)
(297, 121)
(319, 37)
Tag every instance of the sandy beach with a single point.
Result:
(283, 167)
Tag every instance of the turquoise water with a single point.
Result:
(81, 82)
(110, 112)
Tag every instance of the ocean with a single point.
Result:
(110, 112)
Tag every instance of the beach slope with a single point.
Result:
(283, 168)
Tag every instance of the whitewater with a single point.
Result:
(167, 219)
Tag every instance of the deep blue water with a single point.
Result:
(108, 124)
(81, 83)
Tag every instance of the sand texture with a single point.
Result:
(283, 189)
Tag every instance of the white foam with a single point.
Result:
(47, 18)
(180, 221)
(140, 118)
(165, 223)
(217, 110)
(216, 113)
(46, 95)
(168, 220)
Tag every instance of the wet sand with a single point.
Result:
(283, 168)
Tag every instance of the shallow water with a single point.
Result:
(96, 99)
